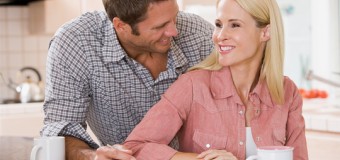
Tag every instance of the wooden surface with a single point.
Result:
(323, 145)
(15, 148)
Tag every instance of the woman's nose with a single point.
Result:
(223, 34)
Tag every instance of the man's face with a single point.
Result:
(156, 31)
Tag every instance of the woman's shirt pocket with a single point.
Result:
(206, 141)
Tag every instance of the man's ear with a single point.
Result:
(119, 25)
(266, 33)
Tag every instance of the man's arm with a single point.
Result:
(78, 149)
(206, 155)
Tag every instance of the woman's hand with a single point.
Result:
(213, 154)
(117, 152)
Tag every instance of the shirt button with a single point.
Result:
(207, 145)
(258, 138)
(241, 112)
(241, 143)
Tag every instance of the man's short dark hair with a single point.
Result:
(129, 11)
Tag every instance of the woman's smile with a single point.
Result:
(225, 49)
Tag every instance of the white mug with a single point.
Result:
(48, 148)
(273, 153)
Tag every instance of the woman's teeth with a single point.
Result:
(227, 48)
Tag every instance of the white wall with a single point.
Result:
(297, 24)
(310, 26)
(311, 37)
(325, 40)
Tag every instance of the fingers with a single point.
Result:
(203, 154)
(216, 155)
(109, 153)
(120, 148)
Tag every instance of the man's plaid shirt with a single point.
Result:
(91, 80)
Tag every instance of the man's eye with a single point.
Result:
(234, 25)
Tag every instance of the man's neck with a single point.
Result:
(154, 62)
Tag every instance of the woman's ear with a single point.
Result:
(266, 33)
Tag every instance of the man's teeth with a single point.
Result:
(227, 48)
(164, 40)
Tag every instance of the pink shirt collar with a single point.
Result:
(224, 88)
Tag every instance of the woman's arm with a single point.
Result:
(296, 125)
(150, 138)
(186, 156)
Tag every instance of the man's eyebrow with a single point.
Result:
(165, 23)
(161, 25)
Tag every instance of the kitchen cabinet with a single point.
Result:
(24, 120)
(321, 115)
(200, 2)
(92, 5)
(45, 17)
(323, 145)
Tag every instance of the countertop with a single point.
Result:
(319, 114)
(19, 148)
(21, 108)
(21, 119)
(27, 119)
(322, 129)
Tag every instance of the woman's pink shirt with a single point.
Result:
(203, 108)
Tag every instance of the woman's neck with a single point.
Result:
(245, 80)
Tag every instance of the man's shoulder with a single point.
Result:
(87, 22)
(189, 23)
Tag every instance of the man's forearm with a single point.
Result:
(77, 149)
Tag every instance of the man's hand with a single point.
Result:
(78, 149)
(116, 151)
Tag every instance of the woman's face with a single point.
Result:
(237, 38)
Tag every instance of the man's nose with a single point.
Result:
(171, 30)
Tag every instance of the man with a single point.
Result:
(107, 70)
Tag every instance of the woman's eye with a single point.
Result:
(218, 25)
(234, 25)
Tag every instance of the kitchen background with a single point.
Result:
(311, 27)
(312, 43)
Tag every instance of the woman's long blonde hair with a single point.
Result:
(264, 12)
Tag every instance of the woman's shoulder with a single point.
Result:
(288, 82)
(198, 74)
(290, 88)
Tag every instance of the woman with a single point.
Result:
(235, 100)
